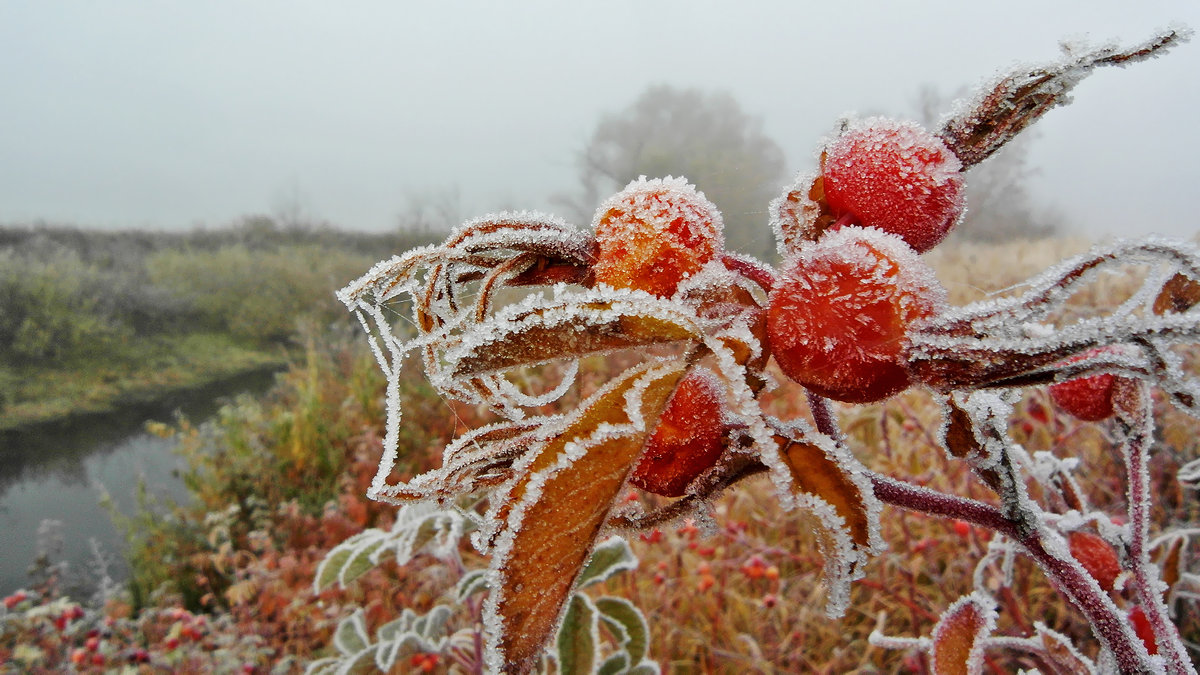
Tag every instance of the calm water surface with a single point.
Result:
(60, 472)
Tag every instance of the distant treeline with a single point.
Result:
(70, 293)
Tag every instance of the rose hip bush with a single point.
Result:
(853, 314)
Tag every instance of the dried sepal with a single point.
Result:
(800, 214)
(1022, 97)
(1179, 294)
(822, 477)
(960, 636)
(554, 509)
(1031, 339)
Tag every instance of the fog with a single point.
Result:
(171, 114)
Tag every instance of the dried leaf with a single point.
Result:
(959, 435)
(813, 472)
(826, 480)
(564, 331)
(1061, 655)
(958, 637)
(1178, 295)
(557, 506)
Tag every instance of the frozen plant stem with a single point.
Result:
(1135, 422)
(1066, 573)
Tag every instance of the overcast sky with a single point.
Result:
(170, 114)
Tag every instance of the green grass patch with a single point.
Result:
(136, 371)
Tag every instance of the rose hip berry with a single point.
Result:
(1087, 398)
(840, 312)
(895, 176)
(655, 233)
(688, 440)
(1097, 557)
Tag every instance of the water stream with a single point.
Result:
(60, 472)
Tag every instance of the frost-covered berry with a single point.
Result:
(1097, 557)
(688, 440)
(1143, 629)
(1087, 398)
(895, 176)
(655, 233)
(841, 309)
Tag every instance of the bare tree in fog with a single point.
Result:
(999, 206)
(432, 211)
(705, 136)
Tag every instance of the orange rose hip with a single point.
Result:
(655, 233)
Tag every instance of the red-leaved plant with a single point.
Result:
(852, 314)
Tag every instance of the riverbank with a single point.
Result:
(141, 371)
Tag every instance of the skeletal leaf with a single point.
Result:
(958, 637)
(554, 510)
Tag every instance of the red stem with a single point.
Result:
(1066, 573)
(1138, 432)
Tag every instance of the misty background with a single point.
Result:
(370, 115)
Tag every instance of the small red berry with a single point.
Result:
(962, 528)
(688, 440)
(706, 582)
(771, 573)
(1087, 398)
(653, 537)
(655, 233)
(895, 176)
(1141, 626)
(755, 567)
(840, 313)
(1097, 556)
(770, 600)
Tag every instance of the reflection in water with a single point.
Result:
(61, 471)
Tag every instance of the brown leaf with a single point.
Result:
(958, 637)
(826, 480)
(959, 436)
(524, 340)
(1178, 295)
(813, 472)
(1172, 563)
(557, 506)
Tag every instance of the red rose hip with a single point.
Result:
(1087, 398)
(895, 176)
(839, 314)
(688, 440)
(655, 233)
